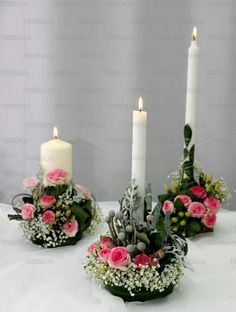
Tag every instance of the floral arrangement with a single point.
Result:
(137, 261)
(57, 212)
(194, 198)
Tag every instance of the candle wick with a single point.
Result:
(140, 110)
(55, 137)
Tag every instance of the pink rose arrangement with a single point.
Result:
(137, 258)
(193, 212)
(118, 256)
(57, 176)
(54, 213)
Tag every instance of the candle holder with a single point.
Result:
(57, 212)
(137, 260)
(195, 197)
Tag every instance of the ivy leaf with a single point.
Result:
(187, 135)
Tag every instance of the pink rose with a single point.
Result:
(198, 191)
(47, 201)
(57, 176)
(209, 219)
(30, 182)
(27, 211)
(70, 228)
(104, 254)
(212, 203)
(168, 207)
(143, 259)
(48, 217)
(119, 257)
(84, 190)
(197, 209)
(92, 248)
(186, 200)
(106, 242)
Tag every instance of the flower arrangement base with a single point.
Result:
(142, 296)
(138, 260)
(193, 200)
(57, 212)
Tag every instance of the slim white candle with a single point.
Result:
(56, 154)
(139, 153)
(192, 84)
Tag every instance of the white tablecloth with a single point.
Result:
(41, 280)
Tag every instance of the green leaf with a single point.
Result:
(178, 204)
(191, 153)
(28, 199)
(143, 237)
(187, 135)
(193, 227)
(185, 152)
(157, 240)
(82, 213)
(163, 197)
(14, 217)
(17, 210)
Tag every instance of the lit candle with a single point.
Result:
(192, 84)
(56, 154)
(139, 153)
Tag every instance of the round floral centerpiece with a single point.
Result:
(57, 212)
(137, 261)
(194, 198)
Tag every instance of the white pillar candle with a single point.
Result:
(56, 154)
(139, 153)
(192, 84)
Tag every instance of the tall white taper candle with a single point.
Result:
(192, 85)
(139, 153)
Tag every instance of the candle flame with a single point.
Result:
(194, 34)
(140, 104)
(55, 133)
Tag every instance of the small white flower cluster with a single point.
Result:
(36, 229)
(96, 219)
(135, 280)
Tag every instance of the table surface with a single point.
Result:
(42, 280)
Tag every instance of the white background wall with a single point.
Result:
(81, 65)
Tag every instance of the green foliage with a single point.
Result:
(82, 213)
(15, 217)
(56, 190)
(179, 205)
(193, 227)
(28, 199)
(187, 135)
